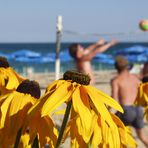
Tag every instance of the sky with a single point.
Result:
(89, 20)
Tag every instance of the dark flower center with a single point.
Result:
(3, 62)
(30, 87)
(78, 77)
(145, 79)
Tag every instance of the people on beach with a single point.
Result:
(124, 90)
(83, 56)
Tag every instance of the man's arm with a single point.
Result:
(99, 49)
(94, 46)
(106, 46)
(115, 90)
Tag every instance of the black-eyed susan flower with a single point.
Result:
(13, 114)
(88, 103)
(9, 79)
(14, 108)
(146, 113)
(142, 98)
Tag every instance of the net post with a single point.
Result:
(58, 46)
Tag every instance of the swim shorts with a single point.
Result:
(133, 116)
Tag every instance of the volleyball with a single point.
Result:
(143, 25)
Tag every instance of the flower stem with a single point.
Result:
(18, 137)
(64, 124)
(35, 143)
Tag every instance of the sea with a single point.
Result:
(44, 49)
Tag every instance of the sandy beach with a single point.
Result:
(102, 83)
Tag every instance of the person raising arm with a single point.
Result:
(83, 56)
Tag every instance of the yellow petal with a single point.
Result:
(130, 140)
(54, 85)
(4, 109)
(106, 99)
(97, 135)
(110, 140)
(117, 121)
(59, 96)
(19, 101)
(76, 138)
(48, 134)
(12, 80)
(84, 97)
(39, 104)
(105, 115)
(99, 104)
(19, 77)
(105, 131)
(24, 141)
(146, 113)
(84, 113)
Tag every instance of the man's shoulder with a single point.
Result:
(115, 79)
(134, 76)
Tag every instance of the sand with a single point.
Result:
(103, 79)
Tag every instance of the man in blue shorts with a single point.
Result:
(124, 90)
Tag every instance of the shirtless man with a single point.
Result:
(83, 55)
(124, 90)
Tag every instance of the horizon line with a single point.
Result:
(36, 42)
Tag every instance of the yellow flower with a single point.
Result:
(9, 80)
(13, 109)
(84, 98)
(146, 113)
(142, 97)
(61, 91)
(13, 117)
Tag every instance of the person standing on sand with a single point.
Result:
(83, 56)
(124, 90)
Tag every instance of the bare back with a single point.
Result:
(85, 66)
(125, 87)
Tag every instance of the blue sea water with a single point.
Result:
(44, 49)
